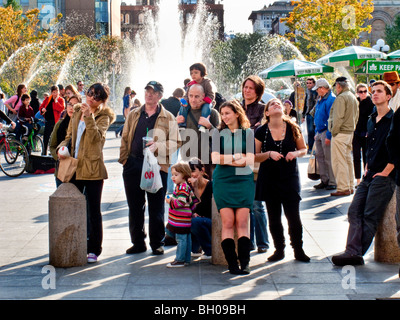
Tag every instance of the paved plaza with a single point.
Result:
(24, 255)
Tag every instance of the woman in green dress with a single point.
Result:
(233, 184)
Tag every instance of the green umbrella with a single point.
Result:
(351, 56)
(294, 68)
(394, 55)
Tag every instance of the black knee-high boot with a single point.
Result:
(228, 246)
(244, 254)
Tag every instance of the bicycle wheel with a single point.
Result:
(13, 158)
(37, 147)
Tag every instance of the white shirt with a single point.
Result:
(81, 129)
(394, 103)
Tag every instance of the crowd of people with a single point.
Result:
(243, 154)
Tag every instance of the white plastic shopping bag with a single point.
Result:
(151, 177)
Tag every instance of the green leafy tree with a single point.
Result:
(392, 34)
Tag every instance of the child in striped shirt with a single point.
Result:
(181, 205)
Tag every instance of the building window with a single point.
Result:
(101, 18)
(141, 18)
(127, 19)
(24, 2)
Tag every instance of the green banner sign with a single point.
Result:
(379, 67)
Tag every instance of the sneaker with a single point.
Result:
(92, 258)
(262, 249)
(176, 264)
(205, 257)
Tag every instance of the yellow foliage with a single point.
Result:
(334, 23)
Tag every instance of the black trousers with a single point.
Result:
(136, 199)
(93, 190)
(292, 213)
(48, 129)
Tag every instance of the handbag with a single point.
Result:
(312, 171)
(150, 180)
(66, 169)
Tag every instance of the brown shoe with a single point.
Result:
(340, 193)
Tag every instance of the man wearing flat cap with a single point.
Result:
(393, 79)
(154, 121)
(323, 135)
(342, 122)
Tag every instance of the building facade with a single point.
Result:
(385, 13)
(94, 18)
(268, 19)
(132, 16)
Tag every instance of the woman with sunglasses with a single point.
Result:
(279, 143)
(86, 135)
(365, 109)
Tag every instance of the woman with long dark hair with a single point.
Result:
(279, 142)
(87, 134)
(14, 103)
(233, 183)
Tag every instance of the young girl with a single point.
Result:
(198, 72)
(181, 206)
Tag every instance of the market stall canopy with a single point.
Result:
(294, 68)
(352, 56)
(394, 55)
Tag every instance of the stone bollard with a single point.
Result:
(67, 227)
(386, 246)
(217, 255)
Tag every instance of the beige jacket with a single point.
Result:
(166, 136)
(343, 116)
(90, 154)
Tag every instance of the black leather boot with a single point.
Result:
(228, 246)
(244, 254)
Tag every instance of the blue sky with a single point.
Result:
(237, 13)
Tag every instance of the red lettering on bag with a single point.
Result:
(149, 175)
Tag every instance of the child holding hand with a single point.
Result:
(198, 73)
(181, 206)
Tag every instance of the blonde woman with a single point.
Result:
(279, 143)
(233, 184)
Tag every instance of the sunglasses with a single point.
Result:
(363, 91)
(92, 94)
(392, 84)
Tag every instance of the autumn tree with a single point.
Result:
(328, 25)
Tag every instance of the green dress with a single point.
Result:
(233, 187)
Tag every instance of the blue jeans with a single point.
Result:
(258, 225)
(366, 210)
(184, 111)
(310, 131)
(201, 235)
(184, 247)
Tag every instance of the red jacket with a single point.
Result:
(58, 107)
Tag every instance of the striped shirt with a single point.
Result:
(181, 206)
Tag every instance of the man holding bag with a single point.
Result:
(153, 127)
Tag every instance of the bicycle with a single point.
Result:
(13, 155)
(33, 142)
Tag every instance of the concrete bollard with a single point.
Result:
(386, 246)
(67, 227)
